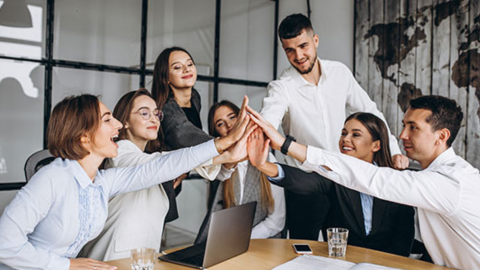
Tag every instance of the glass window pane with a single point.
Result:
(235, 93)
(109, 86)
(24, 41)
(103, 32)
(185, 23)
(21, 116)
(246, 39)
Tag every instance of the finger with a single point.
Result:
(243, 111)
(266, 145)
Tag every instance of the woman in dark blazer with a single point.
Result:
(372, 222)
(174, 76)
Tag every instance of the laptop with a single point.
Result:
(228, 236)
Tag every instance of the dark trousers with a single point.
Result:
(305, 214)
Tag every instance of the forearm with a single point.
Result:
(269, 169)
(298, 151)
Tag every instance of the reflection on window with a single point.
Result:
(21, 96)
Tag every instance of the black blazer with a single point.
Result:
(392, 224)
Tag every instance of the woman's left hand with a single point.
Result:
(177, 181)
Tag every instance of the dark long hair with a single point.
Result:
(266, 196)
(160, 88)
(378, 130)
(122, 113)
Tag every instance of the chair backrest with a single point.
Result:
(36, 161)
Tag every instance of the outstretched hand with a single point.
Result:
(237, 131)
(276, 139)
(238, 152)
(257, 148)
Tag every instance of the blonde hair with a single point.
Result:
(267, 201)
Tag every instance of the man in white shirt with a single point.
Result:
(312, 99)
(446, 192)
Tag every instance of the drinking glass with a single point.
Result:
(337, 241)
(143, 258)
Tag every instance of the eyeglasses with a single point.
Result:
(146, 114)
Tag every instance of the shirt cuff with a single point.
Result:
(279, 178)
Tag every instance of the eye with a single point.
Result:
(220, 124)
(190, 64)
(344, 133)
(233, 117)
(177, 67)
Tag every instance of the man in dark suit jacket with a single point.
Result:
(392, 228)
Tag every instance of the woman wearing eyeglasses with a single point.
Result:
(136, 219)
(65, 204)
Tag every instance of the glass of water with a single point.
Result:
(143, 258)
(337, 241)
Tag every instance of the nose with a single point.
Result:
(118, 124)
(403, 135)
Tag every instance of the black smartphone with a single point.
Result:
(302, 249)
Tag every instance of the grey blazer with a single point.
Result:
(177, 130)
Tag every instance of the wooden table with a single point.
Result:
(268, 253)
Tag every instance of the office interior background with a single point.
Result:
(108, 47)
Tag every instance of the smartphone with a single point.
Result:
(302, 249)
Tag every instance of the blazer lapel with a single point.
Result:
(356, 204)
(379, 207)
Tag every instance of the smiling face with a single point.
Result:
(182, 71)
(301, 51)
(103, 145)
(224, 119)
(142, 125)
(420, 142)
(357, 142)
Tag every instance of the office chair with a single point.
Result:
(36, 161)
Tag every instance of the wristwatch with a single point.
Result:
(288, 140)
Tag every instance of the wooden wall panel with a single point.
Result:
(361, 51)
(391, 67)
(473, 126)
(421, 47)
(375, 82)
(459, 26)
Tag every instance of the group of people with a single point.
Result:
(113, 184)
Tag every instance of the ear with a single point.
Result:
(85, 139)
(315, 40)
(126, 125)
(443, 136)
(376, 146)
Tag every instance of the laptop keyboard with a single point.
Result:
(195, 260)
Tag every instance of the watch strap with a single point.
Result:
(288, 140)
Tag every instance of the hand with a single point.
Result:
(400, 162)
(178, 180)
(86, 263)
(238, 152)
(257, 148)
(237, 131)
(276, 139)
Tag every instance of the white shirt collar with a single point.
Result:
(300, 81)
(447, 154)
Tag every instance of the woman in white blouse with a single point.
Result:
(136, 219)
(243, 183)
(65, 203)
